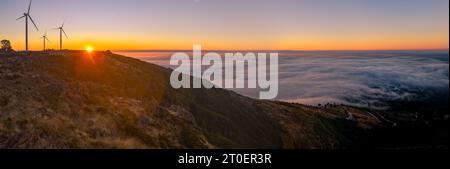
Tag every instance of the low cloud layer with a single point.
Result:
(352, 78)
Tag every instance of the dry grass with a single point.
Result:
(69, 100)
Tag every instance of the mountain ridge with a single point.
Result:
(72, 99)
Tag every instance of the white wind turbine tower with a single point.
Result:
(61, 31)
(44, 38)
(27, 16)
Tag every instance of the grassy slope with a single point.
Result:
(70, 100)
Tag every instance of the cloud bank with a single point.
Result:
(353, 78)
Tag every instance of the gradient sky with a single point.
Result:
(233, 24)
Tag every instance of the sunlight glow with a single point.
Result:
(89, 49)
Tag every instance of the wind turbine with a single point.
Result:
(44, 37)
(27, 16)
(61, 31)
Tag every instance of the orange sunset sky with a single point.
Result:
(232, 24)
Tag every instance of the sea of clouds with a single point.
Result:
(364, 79)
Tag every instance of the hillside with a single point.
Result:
(73, 100)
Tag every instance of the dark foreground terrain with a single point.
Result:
(73, 99)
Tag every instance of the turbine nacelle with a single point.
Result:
(61, 29)
(45, 37)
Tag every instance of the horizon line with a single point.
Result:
(245, 50)
(282, 50)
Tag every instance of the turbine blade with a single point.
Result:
(33, 22)
(20, 17)
(29, 7)
(47, 39)
(65, 33)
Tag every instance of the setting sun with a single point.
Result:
(89, 49)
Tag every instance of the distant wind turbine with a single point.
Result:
(27, 16)
(61, 31)
(44, 38)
